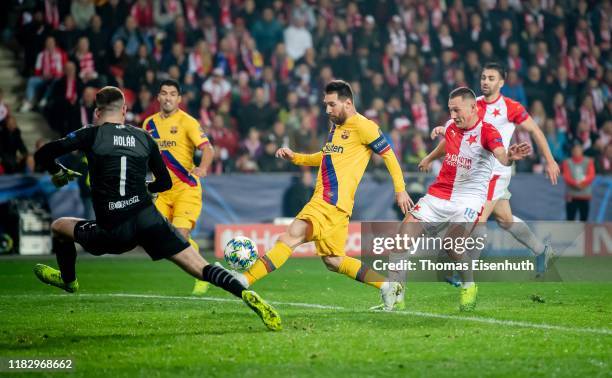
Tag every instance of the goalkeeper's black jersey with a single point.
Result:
(119, 157)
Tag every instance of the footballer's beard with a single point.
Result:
(339, 119)
(168, 108)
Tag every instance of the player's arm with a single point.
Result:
(492, 141)
(208, 153)
(437, 153)
(371, 136)
(515, 152)
(440, 130)
(311, 160)
(197, 136)
(552, 168)
(162, 181)
(81, 139)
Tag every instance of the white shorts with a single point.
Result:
(431, 209)
(498, 188)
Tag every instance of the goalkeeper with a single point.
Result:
(118, 157)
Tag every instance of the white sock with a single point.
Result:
(465, 285)
(521, 232)
(398, 275)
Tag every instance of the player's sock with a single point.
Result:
(358, 271)
(399, 274)
(65, 253)
(269, 262)
(467, 276)
(219, 276)
(521, 232)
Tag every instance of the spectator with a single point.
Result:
(142, 14)
(167, 11)
(267, 32)
(85, 62)
(98, 40)
(297, 194)
(131, 36)
(117, 63)
(258, 114)
(514, 88)
(13, 152)
(267, 162)
(113, 14)
(578, 173)
(82, 11)
(68, 34)
(252, 144)
(49, 66)
(217, 87)
(62, 111)
(297, 38)
(200, 60)
(556, 139)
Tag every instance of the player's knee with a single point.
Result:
(58, 227)
(332, 263)
(504, 222)
(184, 232)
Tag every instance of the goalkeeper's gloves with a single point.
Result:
(64, 176)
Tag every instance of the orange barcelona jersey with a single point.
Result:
(344, 158)
(177, 136)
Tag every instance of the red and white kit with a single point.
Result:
(504, 114)
(460, 190)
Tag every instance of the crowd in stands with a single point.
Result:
(252, 72)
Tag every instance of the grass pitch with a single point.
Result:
(133, 317)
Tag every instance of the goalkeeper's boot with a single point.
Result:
(467, 298)
(200, 288)
(53, 277)
(265, 311)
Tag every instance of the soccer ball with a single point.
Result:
(240, 253)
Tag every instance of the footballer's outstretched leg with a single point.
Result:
(193, 263)
(65, 253)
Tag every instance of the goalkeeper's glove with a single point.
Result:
(64, 176)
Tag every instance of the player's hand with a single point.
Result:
(199, 172)
(425, 165)
(64, 176)
(404, 201)
(437, 131)
(519, 151)
(285, 153)
(552, 171)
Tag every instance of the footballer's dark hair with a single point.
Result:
(170, 83)
(497, 67)
(463, 92)
(110, 99)
(340, 87)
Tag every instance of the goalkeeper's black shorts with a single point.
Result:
(147, 228)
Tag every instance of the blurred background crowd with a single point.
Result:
(252, 72)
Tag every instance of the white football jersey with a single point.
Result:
(468, 164)
(504, 114)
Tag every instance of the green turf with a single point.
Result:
(130, 336)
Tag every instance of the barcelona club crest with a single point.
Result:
(173, 129)
(345, 134)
